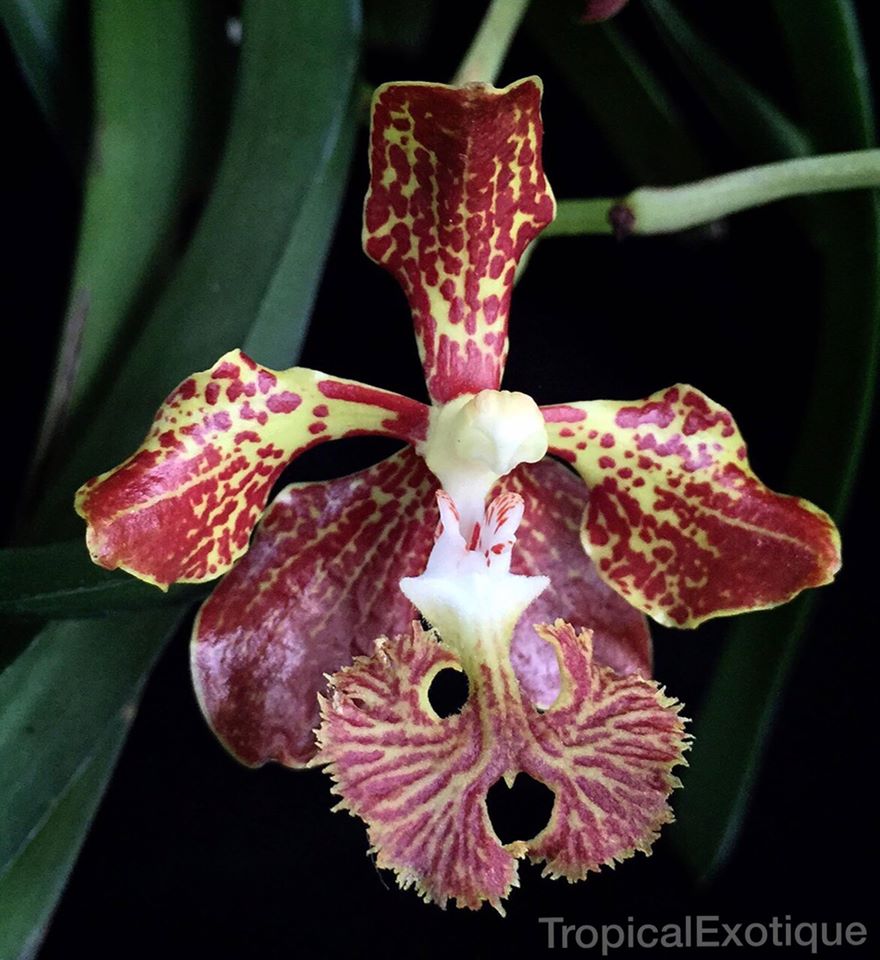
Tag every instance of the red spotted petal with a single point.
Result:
(319, 583)
(457, 192)
(606, 749)
(677, 522)
(183, 506)
(548, 543)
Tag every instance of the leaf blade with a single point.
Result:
(653, 144)
(40, 34)
(750, 118)
(59, 581)
(146, 109)
(55, 704)
(29, 890)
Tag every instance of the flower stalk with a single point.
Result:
(486, 53)
(650, 210)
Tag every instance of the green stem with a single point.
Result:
(667, 209)
(483, 60)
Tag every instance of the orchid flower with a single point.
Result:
(661, 515)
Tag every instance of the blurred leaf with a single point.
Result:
(274, 204)
(40, 34)
(732, 727)
(399, 26)
(33, 883)
(59, 581)
(279, 328)
(56, 701)
(620, 91)
(748, 117)
(146, 62)
(35, 29)
(836, 100)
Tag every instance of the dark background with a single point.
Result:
(191, 854)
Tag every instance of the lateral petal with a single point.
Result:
(606, 748)
(182, 507)
(677, 522)
(319, 583)
(457, 192)
(548, 542)
(420, 781)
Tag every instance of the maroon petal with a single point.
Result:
(317, 587)
(548, 543)
(457, 192)
(182, 507)
(607, 748)
(677, 521)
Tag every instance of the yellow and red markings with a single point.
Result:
(182, 507)
(457, 192)
(677, 522)
(606, 748)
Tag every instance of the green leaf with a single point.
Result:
(620, 91)
(36, 29)
(59, 581)
(751, 120)
(279, 328)
(56, 701)
(836, 100)
(147, 67)
(278, 186)
(732, 727)
(40, 34)
(32, 885)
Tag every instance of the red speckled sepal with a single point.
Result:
(457, 191)
(183, 506)
(318, 585)
(606, 748)
(677, 522)
(548, 542)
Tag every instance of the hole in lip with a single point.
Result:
(521, 812)
(448, 692)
